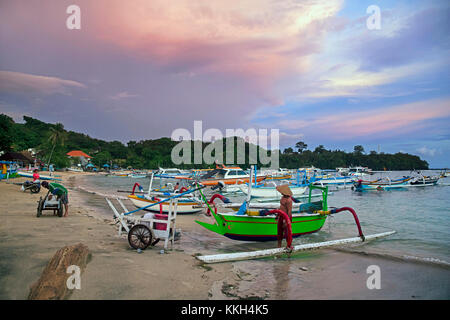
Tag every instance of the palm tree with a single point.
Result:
(57, 136)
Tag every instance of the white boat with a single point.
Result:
(184, 205)
(187, 204)
(172, 173)
(30, 175)
(334, 181)
(271, 191)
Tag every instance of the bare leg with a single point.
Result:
(66, 207)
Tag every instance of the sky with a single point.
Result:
(315, 70)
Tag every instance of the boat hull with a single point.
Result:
(380, 187)
(334, 181)
(269, 192)
(262, 228)
(184, 207)
(214, 182)
(425, 182)
(30, 175)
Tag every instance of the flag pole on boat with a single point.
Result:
(151, 185)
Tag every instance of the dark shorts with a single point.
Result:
(64, 198)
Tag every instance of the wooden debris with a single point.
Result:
(52, 284)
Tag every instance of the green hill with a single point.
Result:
(151, 154)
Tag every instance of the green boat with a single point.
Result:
(248, 227)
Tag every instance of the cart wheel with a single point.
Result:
(35, 189)
(39, 208)
(139, 237)
(60, 210)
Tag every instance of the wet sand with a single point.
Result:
(115, 271)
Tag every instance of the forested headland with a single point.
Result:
(47, 138)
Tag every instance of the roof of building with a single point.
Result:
(78, 153)
(15, 156)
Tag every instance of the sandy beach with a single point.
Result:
(115, 271)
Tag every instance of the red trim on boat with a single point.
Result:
(270, 222)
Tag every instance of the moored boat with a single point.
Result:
(424, 181)
(261, 191)
(380, 184)
(30, 175)
(228, 176)
(185, 205)
(252, 227)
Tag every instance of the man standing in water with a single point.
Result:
(285, 206)
(60, 192)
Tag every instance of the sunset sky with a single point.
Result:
(140, 69)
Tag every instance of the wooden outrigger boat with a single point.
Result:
(41, 177)
(252, 227)
(309, 218)
(188, 204)
(226, 175)
(261, 191)
(334, 181)
(184, 205)
(361, 185)
(423, 181)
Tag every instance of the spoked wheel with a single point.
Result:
(60, 210)
(35, 189)
(140, 237)
(39, 208)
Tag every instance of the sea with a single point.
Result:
(419, 215)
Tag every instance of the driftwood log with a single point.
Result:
(52, 285)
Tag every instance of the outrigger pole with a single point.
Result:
(226, 257)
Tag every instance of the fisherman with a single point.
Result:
(285, 206)
(60, 192)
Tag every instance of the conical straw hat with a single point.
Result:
(284, 190)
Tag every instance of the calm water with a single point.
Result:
(420, 215)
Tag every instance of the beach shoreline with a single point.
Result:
(115, 271)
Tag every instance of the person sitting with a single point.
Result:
(60, 192)
(36, 176)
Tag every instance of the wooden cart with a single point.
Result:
(142, 232)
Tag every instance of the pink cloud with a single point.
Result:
(253, 38)
(405, 117)
(23, 83)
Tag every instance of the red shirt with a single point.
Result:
(35, 176)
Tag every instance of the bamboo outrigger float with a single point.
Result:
(227, 257)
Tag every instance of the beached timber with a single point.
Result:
(226, 257)
(52, 285)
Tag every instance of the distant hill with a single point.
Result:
(151, 154)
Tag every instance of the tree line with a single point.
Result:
(52, 142)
